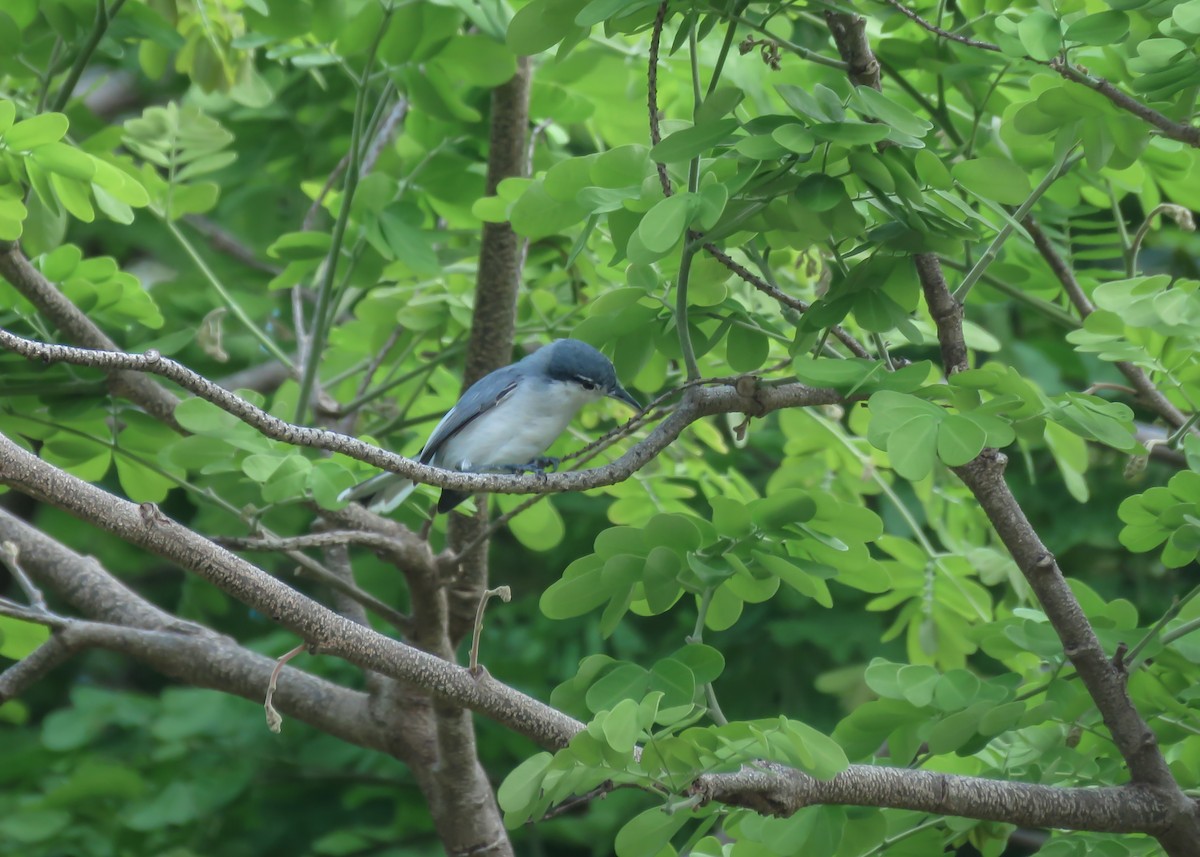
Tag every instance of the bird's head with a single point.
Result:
(573, 362)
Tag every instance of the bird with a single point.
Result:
(506, 420)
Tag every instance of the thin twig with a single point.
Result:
(11, 557)
(104, 16)
(379, 541)
(274, 718)
(310, 359)
(856, 348)
(652, 93)
(1181, 131)
(505, 595)
(1184, 133)
(945, 34)
(993, 250)
(696, 404)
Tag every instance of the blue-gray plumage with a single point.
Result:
(506, 419)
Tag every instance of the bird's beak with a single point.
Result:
(620, 394)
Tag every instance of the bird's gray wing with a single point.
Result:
(480, 398)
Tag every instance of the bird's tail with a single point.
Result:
(383, 492)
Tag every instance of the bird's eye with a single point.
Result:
(586, 382)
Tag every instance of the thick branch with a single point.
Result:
(947, 312)
(696, 404)
(30, 669)
(850, 35)
(74, 324)
(1105, 683)
(326, 630)
(493, 327)
(772, 789)
(184, 651)
(213, 661)
(493, 321)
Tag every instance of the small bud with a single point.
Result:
(1182, 216)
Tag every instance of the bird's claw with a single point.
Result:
(538, 465)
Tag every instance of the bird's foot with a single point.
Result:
(538, 465)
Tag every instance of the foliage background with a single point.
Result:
(232, 116)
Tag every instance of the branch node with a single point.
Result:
(152, 516)
(1118, 658)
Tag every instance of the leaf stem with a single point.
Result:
(1048, 309)
(311, 359)
(230, 301)
(993, 250)
(104, 16)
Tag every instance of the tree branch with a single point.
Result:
(696, 403)
(184, 651)
(68, 318)
(849, 33)
(1104, 681)
(53, 653)
(210, 660)
(1181, 131)
(1184, 133)
(847, 339)
(772, 789)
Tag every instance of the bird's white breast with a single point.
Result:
(519, 429)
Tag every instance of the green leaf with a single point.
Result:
(542, 24)
(1040, 34)
(995, 179)
(912, 447)
(626, 681)
(688, 143)
(19, 638)
(819, 192)
(663, 225)
(850, 133)
(795, 138)
(539, 528)
(647, 834)
(746, 349)
(8, 112)
(796, 577)
(620, 727)
(293, 246)
(731, 518)
(478, 60)
(822, 757)
(959, 440)
(882, 107)
(581, 589)
(705, 662)
(33, 825)
(1101, 28)
(521, 786)
(65, 160)
(537, 215)
(36, 131)
(74, 196)
(201, 417)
